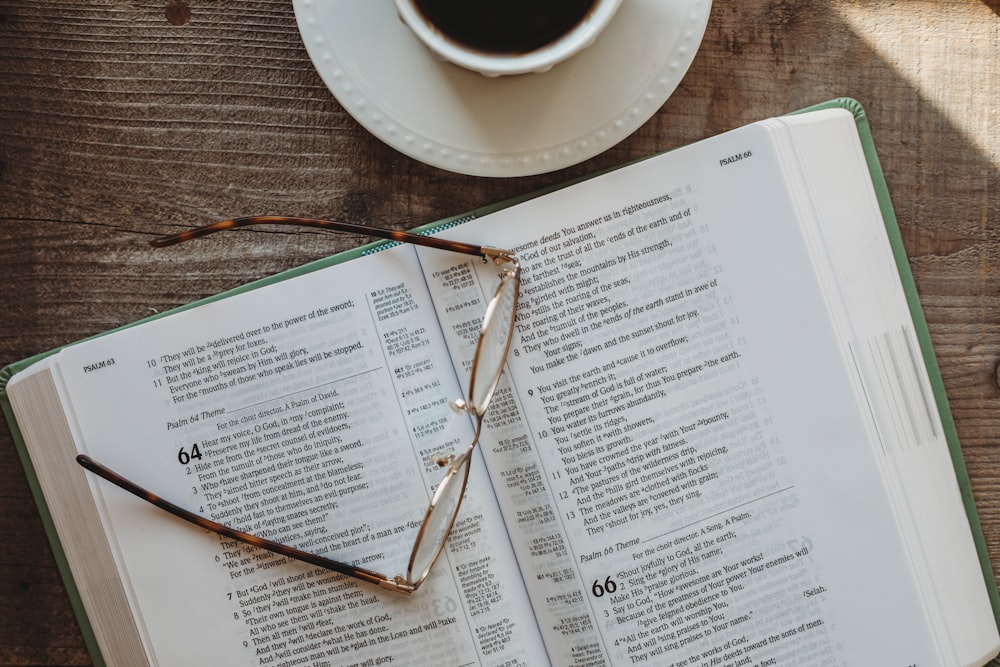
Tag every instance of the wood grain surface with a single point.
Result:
(123, 120)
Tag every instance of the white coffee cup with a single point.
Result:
(472, 42)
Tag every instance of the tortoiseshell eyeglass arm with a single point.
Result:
(330, 225)
(396, 584)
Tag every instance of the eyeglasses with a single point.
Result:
(487, 363)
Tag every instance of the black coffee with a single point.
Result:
(505, 26)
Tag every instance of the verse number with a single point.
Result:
(609, 586)
(185, 456)
(444, 606)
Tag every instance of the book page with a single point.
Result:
(310, 412)
(680, 450)
(874, 316)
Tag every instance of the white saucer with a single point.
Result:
(461, 121)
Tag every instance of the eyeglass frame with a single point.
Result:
(457, 465)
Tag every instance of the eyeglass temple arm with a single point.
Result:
(282, 549)
(331, 225)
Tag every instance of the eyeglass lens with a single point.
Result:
(487, 366)
(438, 521)
(497, 328)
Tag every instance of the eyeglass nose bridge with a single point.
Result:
(499, 255)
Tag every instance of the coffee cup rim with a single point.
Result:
(500, 64)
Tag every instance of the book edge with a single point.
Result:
(55, 546)
(924, 340)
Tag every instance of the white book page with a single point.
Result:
(875, 319)
(686, 467)
(309, 412)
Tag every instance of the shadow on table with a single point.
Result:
(763, 59)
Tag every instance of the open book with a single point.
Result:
(720, 439)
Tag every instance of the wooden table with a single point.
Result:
(121, 120)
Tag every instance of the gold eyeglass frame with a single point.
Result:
(458, 466)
